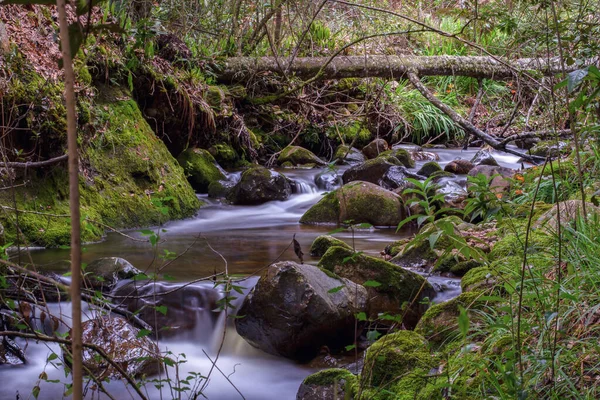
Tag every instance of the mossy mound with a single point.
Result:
(226, 155)
(439, 324)
(201, 168)
(322, 243)
(129, 179)
(334, 383)
(393, 289)
(397, 356)
(359, 202)
(298, 156)
(401, 155)
(429, 168)
(539, 244)
(479, 279)
(550, 148)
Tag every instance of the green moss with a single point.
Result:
(394, 356)
(324, 242)
(297, 155)
(355, 132)
(429, 168)
(327, 210)
(394, 248)
(479, 278)
(329, 377)
(462, 267)
(539, 244)
(201, 168)
(401, 155)
(225, 155)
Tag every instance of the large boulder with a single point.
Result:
(501, 176)
(137, 354)
(103, 273)
(375, 148)
(322, 243)
(394, 287)
(295, 309)
(201, 168)
(225, 155)
(359, 202)
(258, 185)
(348, 155)
(299, 156)
(369, 171)
(333, 383)
(459, 167)
(183, 309)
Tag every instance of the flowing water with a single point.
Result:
(241, 240)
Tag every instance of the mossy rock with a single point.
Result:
(550, 148)
(259, 185)
(479, 279)
(361, 202)
(439, 324)
(462, 267)
(429, 168)
(322, 243)
(220, 189)
(375, 148)
(394, 248)
(201, 168)
(401, 155)
(334, 383)
(370, 171)
(539, 244)
(130, 179)
(298, 156)
(348, 155)
(395, 287)
(395, 356)
(225, 155)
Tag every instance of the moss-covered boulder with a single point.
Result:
(439, 324)
(550, 148)
(370, 171)
(429, 168)
(397, 356)
(221, 189)
(334, 383)
(479, 279)
(128, 178)
(375, 148)
(400, 154)
(201, 168)
(359, 202)
(539, 244)
(322, 243)
(459, 167)
(348, 155)
(295, 309)
(393, 288)
(225, 155)
(299, 156)
(258, 185)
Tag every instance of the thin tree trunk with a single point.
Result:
(77, 367)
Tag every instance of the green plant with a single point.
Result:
(484, 202)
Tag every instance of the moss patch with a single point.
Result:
(322, 243)
(201, 168)
(296, 155)
(401, 155)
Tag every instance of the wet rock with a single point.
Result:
(138, 356)
(328, 180)
(298, 156)
(104, 273)
(570, 210)
(455, 195)
(259, 185)
(369, 171)
(334, 383)
(459, 167)
(359, 202)
(10, 352)
(322, 243)
(399, 154)
(201, 168)
(348, 155)
(429, 169)
(424, 156)
(410, 147)
(395, 178)
(395, 287)
(221, 189)
(549, 148)
(499, 183)
(484, 157)
(184, 309)
(376, 147)
(294, 310)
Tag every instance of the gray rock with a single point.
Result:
(459, 167)
(296, 309)
(259, 185)
(395, 178)
(328, 180)
(346, 155)
(484, 157)
(104, 273)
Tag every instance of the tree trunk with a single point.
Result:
(391, 67)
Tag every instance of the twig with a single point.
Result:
(225, 376)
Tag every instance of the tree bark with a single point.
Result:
(391, 67)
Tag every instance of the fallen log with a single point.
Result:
(237, 69)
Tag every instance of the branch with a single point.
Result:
(36, 164)
(534, 134)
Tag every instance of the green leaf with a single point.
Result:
(161, 309)
(364, 225)
(373, 335)
(361, 316)
(463, 321)
(350, 347)
(336, 289)
(146, 232)
(371, 284)
(169, 362)
(433, 238)
(51, 357)
(35, 392)
(143, 333)
(575, 78)
(338, 230)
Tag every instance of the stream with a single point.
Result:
(241, 239)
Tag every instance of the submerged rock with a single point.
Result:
(322, 243)
(334, 383)
(298, 156)
(328, 180)
(359, 202)
(138, 355)
(259, 185)
(296, 309)
(200, 168)
(348, 155)
(394, 286)
(375, 148)
(104, 273)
